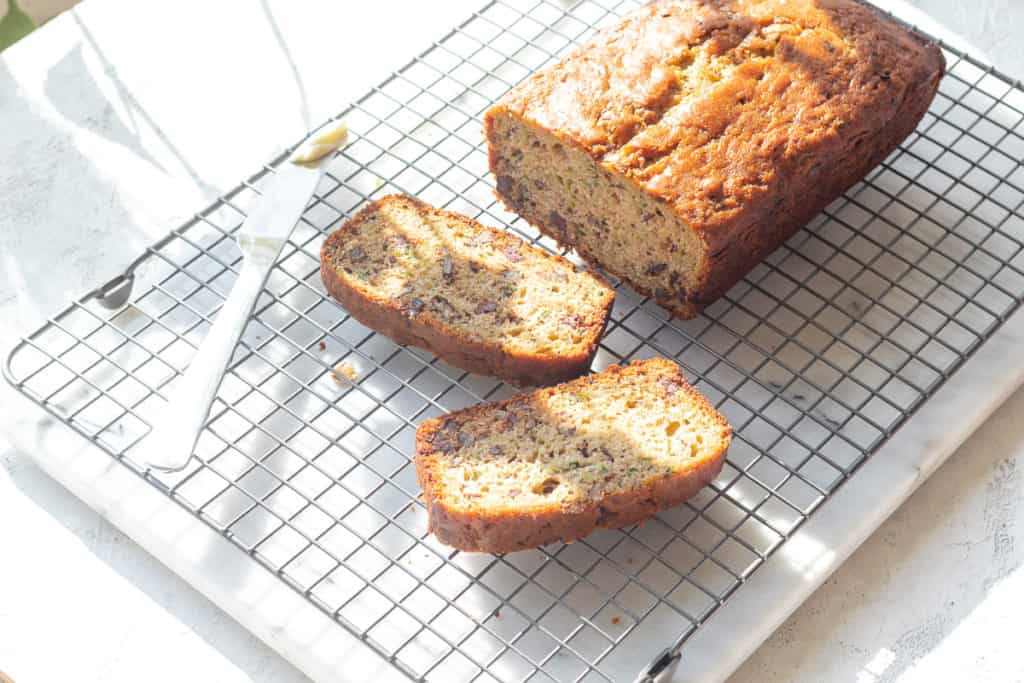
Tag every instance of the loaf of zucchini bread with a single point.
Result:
(607, 450)
(680, 146)
(480, 298)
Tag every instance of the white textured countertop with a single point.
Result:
(120, 119)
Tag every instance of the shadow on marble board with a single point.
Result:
(63, 185)
(889, 566)
(307, 117)
(74, 93)
(34, 263)
(131, 106)
(142, 570)
(50, 182)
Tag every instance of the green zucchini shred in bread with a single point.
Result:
(607, 450)
(480, 298)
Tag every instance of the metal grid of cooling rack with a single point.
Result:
(815, 358)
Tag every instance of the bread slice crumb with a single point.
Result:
(607, 450)
(480, 298)
(344, 370)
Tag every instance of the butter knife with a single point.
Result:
(263, 234)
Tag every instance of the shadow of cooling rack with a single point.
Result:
(815, 358)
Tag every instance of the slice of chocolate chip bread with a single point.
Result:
(607, 450)
(480, 298)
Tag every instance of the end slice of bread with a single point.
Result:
(607, 450)
(480, 298)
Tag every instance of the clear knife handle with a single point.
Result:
(169, 446)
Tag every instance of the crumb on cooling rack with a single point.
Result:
(497, 613)
(344, 369)
(322, 345)
(616, 620)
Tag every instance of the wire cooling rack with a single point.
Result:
(815, 358)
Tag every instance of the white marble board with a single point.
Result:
(791, 573)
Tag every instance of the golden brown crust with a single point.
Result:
(747, 160)
(499, 530)
(486, 357)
